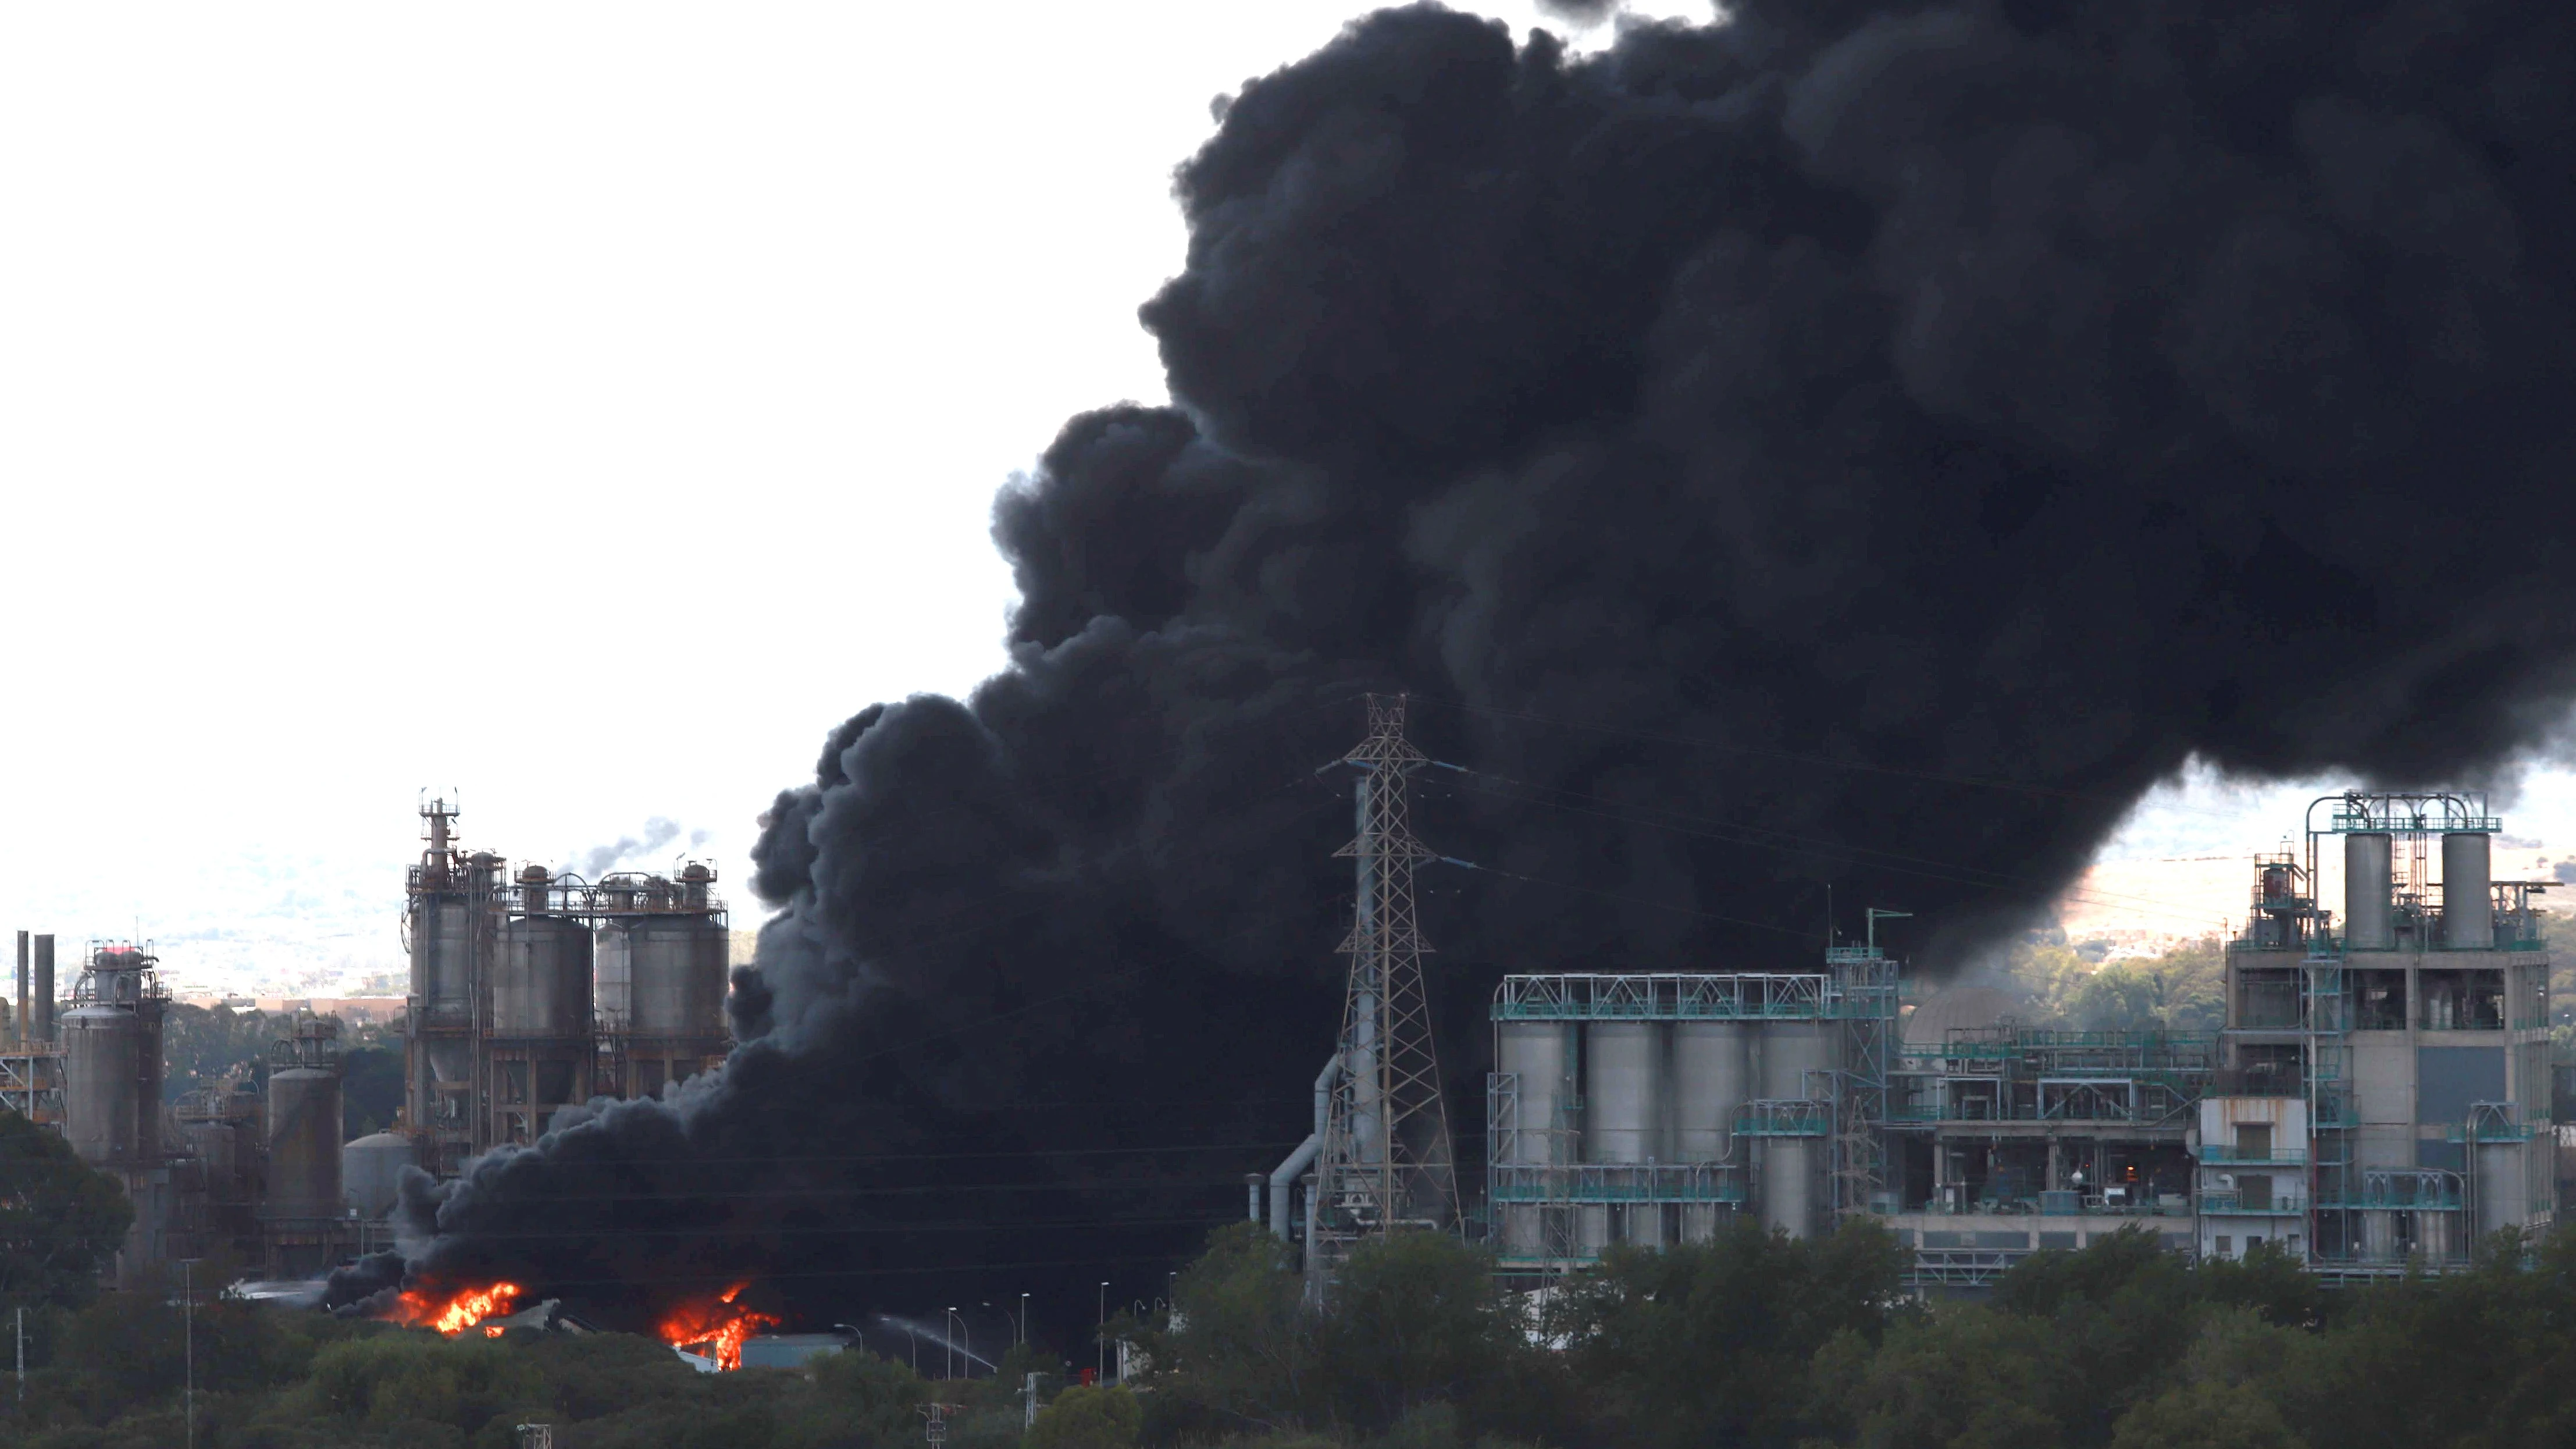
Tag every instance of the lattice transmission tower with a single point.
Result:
(1386, 1161)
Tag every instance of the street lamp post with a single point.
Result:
(188, 1310)
(1024, 1320)
(948, 1343)
(1102, 1371)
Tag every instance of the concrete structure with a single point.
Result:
(2402, 1062)
(2379, 1095)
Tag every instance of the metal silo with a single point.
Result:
(102, 1077)
(541, 979)
(1712, 1078)
(304, 1122)
(2468, 907)
(1791, 1177)
(541, 1042)
(667, 942)
(677, 967)
(112, 1060)
(1535, 1054)
(1623, 1099)
(371, 1173)
(2368, 891)
(1622, 1092)
(448, 918)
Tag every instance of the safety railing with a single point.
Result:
(2282, 1155)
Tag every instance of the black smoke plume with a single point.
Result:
(1854, 444)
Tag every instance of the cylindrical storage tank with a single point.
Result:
(2468, 906)
(102, 1084)
(442, 959)
(1622, 1101)
(1790, 1179)
(677, 966)
(541, 979)
(2500, 1189)
(304, 1142)
(1534, 1051)
(46, 1027)
(1712, 1077)
(1621, 1092)
(2368, 892)
(371, 1173)
(2379, 1234)
(612, 976)
(2437, 1237)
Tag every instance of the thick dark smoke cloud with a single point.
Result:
(1859, 444)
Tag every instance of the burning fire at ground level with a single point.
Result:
(456, 1313)
(714, 1329)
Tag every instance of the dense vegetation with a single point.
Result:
(2062, 984)
(1749, 1340)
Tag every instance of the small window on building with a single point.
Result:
(2253, 1141)
(2379, 1000)
(2226, 1245)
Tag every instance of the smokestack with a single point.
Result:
(1857, 446)
(44, 973)
(26, 1029)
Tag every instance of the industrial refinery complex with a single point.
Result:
(2378, 1097)
(530, 992)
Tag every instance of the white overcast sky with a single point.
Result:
(579, 406)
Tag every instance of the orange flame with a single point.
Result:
(454, 1315)
(717, 1328)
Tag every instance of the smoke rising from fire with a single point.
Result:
(1854, 444)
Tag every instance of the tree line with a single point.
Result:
(1751, 1339)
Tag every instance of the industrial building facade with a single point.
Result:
(530, 992)
(2378, 1098)
(536, 991)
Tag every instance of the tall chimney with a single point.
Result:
(26, 1033)
(44, 1017)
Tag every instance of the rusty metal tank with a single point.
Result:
(112, 1059)
(676, 968)
(304, 1122)
(541, 978)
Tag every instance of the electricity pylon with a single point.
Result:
(1386, 1161)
